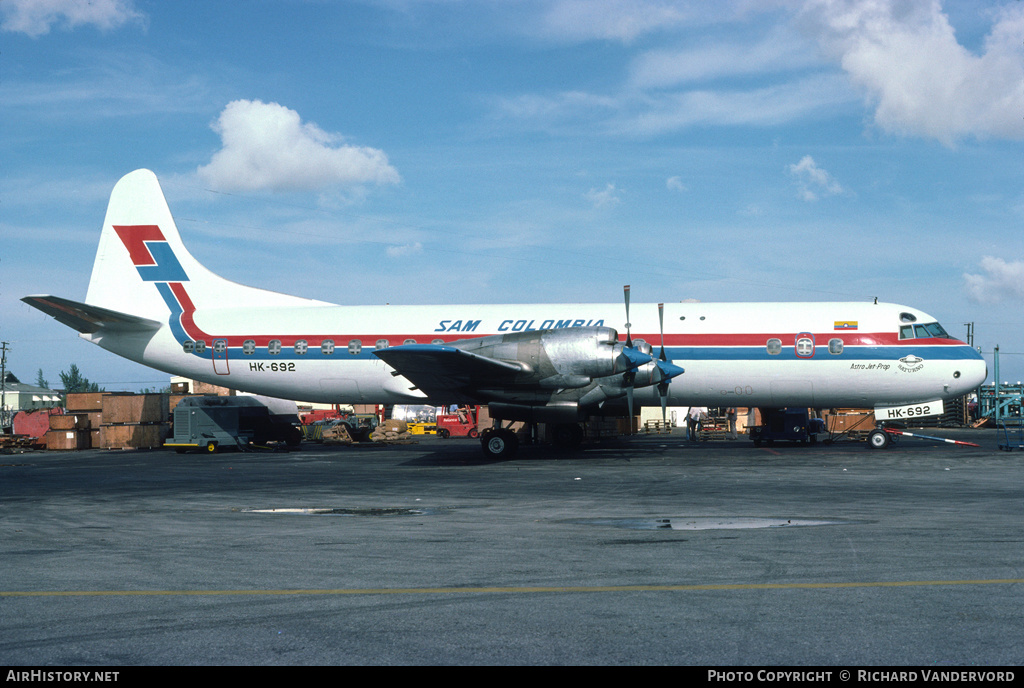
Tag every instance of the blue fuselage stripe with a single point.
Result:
(702, 353)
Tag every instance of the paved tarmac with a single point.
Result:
(650, 550)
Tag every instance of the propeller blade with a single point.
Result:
(661, 327)
(666, 370)
(629, 338)
(629, 400)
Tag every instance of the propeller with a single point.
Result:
(661, 372)
(666, 370)
(634, 356)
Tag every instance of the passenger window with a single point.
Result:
(249, 347)
(381, 344)
(327, 347)
(301, 347)
(409, 341)
(355, 346)
(274, 347)
(835, 346)
(438, 342)
(220, 346)
(200, 346)
(188, 347)
(774, 347)
(906, 331)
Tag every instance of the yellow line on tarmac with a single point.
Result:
(508, 589)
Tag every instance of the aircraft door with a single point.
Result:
(804, 345)
(220, 356)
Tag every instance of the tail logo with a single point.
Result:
(150, 253)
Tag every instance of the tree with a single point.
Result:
(74, 381)
(41, 381)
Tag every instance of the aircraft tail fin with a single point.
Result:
(141, 255)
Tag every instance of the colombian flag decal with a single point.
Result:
(845, 325)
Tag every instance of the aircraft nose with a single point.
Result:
(970, 374)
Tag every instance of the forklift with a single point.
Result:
(462, 423)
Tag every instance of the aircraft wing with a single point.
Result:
(442, 371)
(88, 319)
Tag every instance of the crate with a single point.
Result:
(78, 421)
(67, 440)
(133, 436)
(850, 420)
(84, 401)
(134, 408)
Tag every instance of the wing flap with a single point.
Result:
(88, 319)
(440, 370)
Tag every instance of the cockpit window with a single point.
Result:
(908, 317)
(933, 329)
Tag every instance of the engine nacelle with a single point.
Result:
(556, 359)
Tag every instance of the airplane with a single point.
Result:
(150, 301)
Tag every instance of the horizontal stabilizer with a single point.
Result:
(438, 369)
(88, 319)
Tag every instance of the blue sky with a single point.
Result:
(461, 151)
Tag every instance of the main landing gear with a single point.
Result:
(499, 443)
(503, 443)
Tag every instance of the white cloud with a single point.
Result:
(921, 81)
(604, 198)
(813, 180)
(37, 17)
(266, 146)
(769, 106)
(778, 51)
(404, 250)
(619, 20)
(676, 184)
(1001, 280)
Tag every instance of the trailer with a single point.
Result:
(213, 423)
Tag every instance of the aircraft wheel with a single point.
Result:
(878, 439)
(211, 447)
(500, 444)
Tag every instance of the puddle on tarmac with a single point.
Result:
(349, 511)
(684, 523)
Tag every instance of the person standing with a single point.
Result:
(692, 421)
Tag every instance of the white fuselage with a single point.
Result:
(820, 355)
